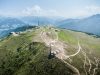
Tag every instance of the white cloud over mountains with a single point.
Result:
(35, 10)
(93, 9)
(84, 12)
(38, 11)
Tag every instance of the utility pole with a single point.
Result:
(51, 55)
(38, 21)
(50, 49)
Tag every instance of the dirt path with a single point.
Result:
(58, 48)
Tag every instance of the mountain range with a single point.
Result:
(88, 25)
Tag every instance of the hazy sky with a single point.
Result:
(65, 8)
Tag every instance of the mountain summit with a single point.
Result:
(49, 50)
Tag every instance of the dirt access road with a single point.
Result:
(50, 38)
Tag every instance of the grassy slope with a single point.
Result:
(9, 49)
(89, 44)
(20, 56)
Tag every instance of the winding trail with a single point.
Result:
(75, 70)
(49, 36)
(58, 48)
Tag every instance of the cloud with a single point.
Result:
(85, 12)
(32, 11)
(38, 11)
(93, 9)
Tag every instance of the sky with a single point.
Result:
(63, 8)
